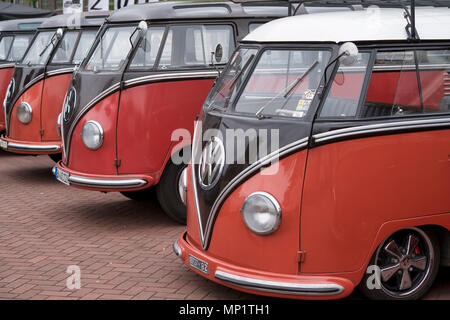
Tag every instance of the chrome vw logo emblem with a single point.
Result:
(211, 163)
(69, 103)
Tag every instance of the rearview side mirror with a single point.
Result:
(218, 53)
(59, 34)
(143, 28)
(348, 53)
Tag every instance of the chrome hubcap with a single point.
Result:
(182, 185)
(405, 261)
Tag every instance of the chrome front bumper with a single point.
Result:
(304, 286)
(103, 182)
(307, 289)
(13, 146)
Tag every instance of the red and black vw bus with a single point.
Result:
(345, 134)
(147, 75)
(40, 81)
(15, 36)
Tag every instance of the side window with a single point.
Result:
(19, 46)
(5, 44)
(65, 48)
(145, 55)
(345, 92)
(397, 89)
(190, 46)
(85, 43)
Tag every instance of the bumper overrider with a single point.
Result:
(24, 147)
(263, 283)
(101, 182)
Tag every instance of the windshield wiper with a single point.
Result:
(289, 89)
(48, 45)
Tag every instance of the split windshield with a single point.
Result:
(13, 47)
(163, 48)
(71, 49)
(113, 48)
(282, 82)
(40, 49)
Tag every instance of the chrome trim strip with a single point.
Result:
(194, 185)
(381, 127)
(294, 146)
(60, 71)
(171, 76)
(37, 148)
(310, 289)
(30, 84)
(7, 65)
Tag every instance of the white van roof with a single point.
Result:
(371, 24)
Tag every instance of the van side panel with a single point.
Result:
(53, 95)
(353, 187)
(148, 116)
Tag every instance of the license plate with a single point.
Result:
(62, 176)
(198, 264)
(3, 144)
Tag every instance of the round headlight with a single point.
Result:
(24, 113)
(58, 124)
(261, 213)
(92, 135)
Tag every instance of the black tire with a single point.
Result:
(56, 157)
(140, 195)
(401, 264)
(168, 192)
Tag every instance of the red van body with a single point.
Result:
(356, 190)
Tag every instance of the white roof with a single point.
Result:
(372, 24)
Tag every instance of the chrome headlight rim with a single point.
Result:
(100, 133)
(24, 109)
(276, 207)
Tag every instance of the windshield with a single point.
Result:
(112, 50)
(40, 48)
(73, 46)
(13, 47)
(283, 82)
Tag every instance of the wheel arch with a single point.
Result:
(438, 224)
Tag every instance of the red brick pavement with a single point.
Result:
(123, 247)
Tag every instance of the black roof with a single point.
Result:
(20, 25)
(10, 11)
(85, 19)
(182, 10)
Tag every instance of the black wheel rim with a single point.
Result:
(405, 260)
